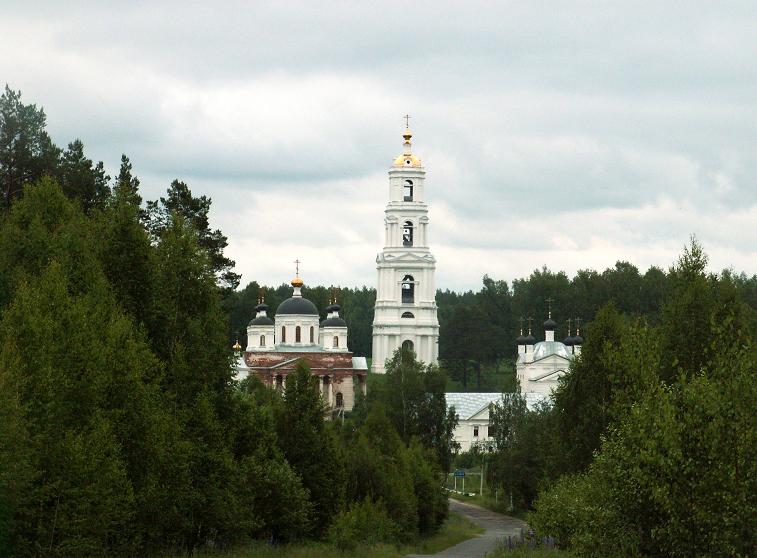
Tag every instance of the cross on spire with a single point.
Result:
(549, 301)
(569, 322)
(578, 326)
(407, 120)
(521, 325)
(530, 319)
(297, 267)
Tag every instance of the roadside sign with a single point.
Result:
(459, 473)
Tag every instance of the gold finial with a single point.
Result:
(297, 282)
(237, 346)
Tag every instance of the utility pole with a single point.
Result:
(481, 489)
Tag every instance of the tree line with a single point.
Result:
(478, 329)
(122, 428)
(649, 445)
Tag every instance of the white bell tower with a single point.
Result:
(405, 313)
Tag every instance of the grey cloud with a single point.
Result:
(632, 119)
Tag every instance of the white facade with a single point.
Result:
(405, 311)
(473, 421)
(260, 331)
(540, 365)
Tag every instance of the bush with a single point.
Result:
(363, 522)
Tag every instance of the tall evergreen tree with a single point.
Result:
(309, 446)
(194, 210)
(26, 151)
(81, 179)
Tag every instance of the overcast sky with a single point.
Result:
(565, 134)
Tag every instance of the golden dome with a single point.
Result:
(407, 159)
(237, 346)
(297, 282)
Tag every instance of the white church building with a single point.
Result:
(405, 311)
(541, 364)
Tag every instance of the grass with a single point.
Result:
(456, 529)
(486, 500)
(530, 553)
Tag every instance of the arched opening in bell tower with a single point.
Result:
(408, 289)
(408, 346)
(407, 233)
(408, 190)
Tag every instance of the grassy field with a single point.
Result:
(530, 553)
(455, 530)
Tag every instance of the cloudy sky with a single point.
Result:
(565, 134)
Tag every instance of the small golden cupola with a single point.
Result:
(407, 159)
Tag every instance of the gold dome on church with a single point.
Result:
(297, 282)
(407, 159)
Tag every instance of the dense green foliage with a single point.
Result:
(123, 432)
(649, 448)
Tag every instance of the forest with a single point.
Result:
(649, 447)
(123, 431)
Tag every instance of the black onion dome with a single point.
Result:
(529, 339)
(550, 325)
(333, 322)
(297, 305)
(569, 341)
(260, 321)
(521, 340)
(333, 308)
(262, 307)
(578, 340)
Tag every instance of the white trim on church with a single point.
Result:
(405, 311)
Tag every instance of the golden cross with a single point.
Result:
(407, 120)
(549, 301)
(297, 263)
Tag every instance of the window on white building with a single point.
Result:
(408, 289)
(297, 334)
(475, 431)
(407, 234)
(408, 190)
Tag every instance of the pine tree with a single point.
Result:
(26, 151)
(194, 210)
(81, 179)
(309, 446)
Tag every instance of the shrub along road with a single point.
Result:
(496, 525)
